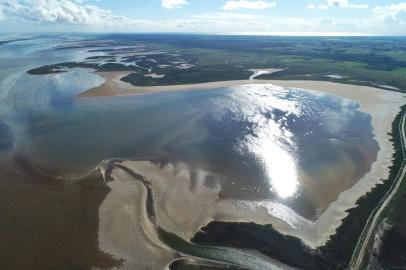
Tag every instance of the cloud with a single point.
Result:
(314, 6)
(62, 12)
(391, 13)
(76, 13)
(171, 4)
(336, 3)
(345, 4)
(245, 4)
(80, 15)
(311, 6)
(223, 16)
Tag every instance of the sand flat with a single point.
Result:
(112, 85)
(125, 232)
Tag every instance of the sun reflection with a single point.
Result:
(271, 142)
(280, 168)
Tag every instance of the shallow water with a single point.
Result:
(288, 146)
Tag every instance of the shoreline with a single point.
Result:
(381, 105)
(113, 86)
(130, 233)
(124, 210)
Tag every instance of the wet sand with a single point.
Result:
(183, 202)
(380, 104)
(112, 85)
(124, 228)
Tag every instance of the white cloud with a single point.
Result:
(245, 4)
(61, 12)
(311, 6)
(73, 14)
(79, 15)
(171, 4)
(336, 3)
(391, 13)
(361, 6)
(223, 16)
(314, 6)
(345, 4)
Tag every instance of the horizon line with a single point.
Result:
(285, 34)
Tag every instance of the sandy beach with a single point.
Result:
(382, 105)
(113, 86)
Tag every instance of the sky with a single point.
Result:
(281, 17)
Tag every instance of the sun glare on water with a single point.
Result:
(271, 142)
(279, 167)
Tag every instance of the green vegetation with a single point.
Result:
(224, 256)
(393, 246)
(187, 76)
(192, 265)
(268, 241)
(361, 60)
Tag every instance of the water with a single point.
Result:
(287, 146)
